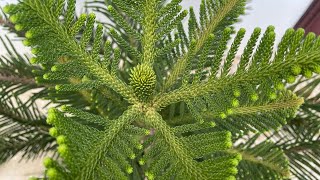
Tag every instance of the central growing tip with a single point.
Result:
(143, 81)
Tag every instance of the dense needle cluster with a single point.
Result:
(167, 103)
(143, 81)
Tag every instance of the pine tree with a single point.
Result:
(159, 102)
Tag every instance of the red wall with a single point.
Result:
(310, 21)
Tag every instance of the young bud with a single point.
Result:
(149, 175)
(61, 139)
(53, 132)
(18, 27)
(33, 60)
(64, 108)
(132, 156)
(316, 69)
(26, 42)
(272, 96)
(58, 87)
(110, 8)
(229, 111)
(63, 150)
(222, 115)
(296, 70)
(307, 73)
(52, 173)
(47, 162)
(279, 86)
(237, 93)
(7, 9)
(13, 19)
(129, 170)
(142, 162)
(235, 103)
(254, 97)
(51, 116)
(291, 79)
(54, 68)
(34, 51)
(46, 76)
(29, 34)
(139, 146)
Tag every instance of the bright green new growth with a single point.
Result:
(143, 81)
(172, 107)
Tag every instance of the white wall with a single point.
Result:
(283, 14)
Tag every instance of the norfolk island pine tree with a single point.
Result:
(174, 108)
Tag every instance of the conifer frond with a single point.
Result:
(182, 157)
(124, 40)
(16, 75)
(219, 15)
(66, 46)
(127, 9)
(240, 115)
(87, 150)
(22, 127)
(300, 142)
(307, 88)
(300, 139)
(261, 160)
(268, 73)
(23, 130)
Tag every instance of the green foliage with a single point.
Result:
(116, 136)
(244, 113)
(298, 140)
(23, 130)
(158, 103)
(260, 159)
(16, 73)
(22, 127)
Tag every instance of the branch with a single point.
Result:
(268, 107)
(17, 80)
(110, 134)
(149, 28)
(61, 33)
(252, 77)
(253, 159)
(181, 64)
(176, 148)
(244, 110)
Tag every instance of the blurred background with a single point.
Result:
(283, 14)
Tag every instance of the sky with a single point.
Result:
(283, 14)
